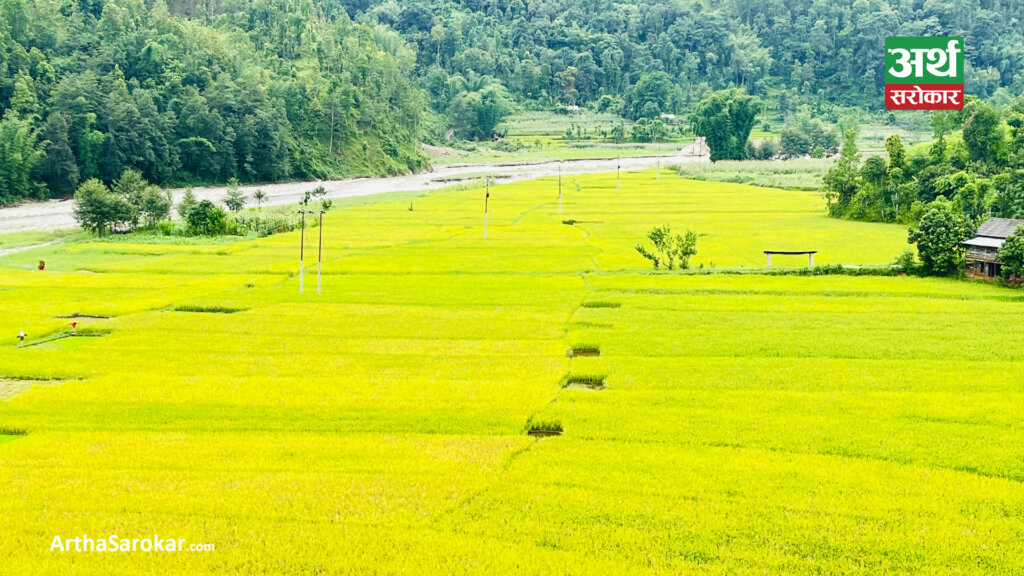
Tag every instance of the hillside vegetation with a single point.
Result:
(655, 56)
(260, 92)
(187, 91)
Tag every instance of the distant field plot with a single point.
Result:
(549, 123)
(871, 137)
(736, 223)
(539, 136)
(797, 174)
(699, 424)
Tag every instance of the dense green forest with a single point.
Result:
(654, 56)
(190, 91)
(261, 91)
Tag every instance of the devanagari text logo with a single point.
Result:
(924, 73)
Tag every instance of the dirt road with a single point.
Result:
(57, 214)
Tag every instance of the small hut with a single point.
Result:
(983, 249)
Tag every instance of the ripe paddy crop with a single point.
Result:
(744, 424)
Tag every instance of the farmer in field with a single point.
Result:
(21, 335)
(73, 325)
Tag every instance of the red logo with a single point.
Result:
(924, 96)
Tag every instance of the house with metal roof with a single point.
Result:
(982, 257)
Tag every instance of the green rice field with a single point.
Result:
(710, 423)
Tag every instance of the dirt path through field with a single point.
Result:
(15, 250)
(57, 214)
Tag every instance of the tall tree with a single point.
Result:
(983, 132)
(841, 179)
(725, 119)
(20, 152)
(58, 169)
(650, 97)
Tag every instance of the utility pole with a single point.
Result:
(559, 187)
(302, 252)
(618, 167)
(302, 249)
(487, 198)
(320, 252)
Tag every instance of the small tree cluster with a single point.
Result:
(765, 150)
(129, 203)
(807, 137)
(99, 210)
(670, 250)
(649, 130)
(476, 113)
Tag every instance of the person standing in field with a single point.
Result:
(21, 335)
(73, 325)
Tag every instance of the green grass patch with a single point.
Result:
(584, 351)
(601, 304)
(584, 381)
(204, 309)
(543, 428)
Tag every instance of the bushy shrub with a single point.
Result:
(205, 219)
(167, 228)
(906, 262)
(553, 426)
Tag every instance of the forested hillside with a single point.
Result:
(190, 91)
(667, 53)
(260, 91)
